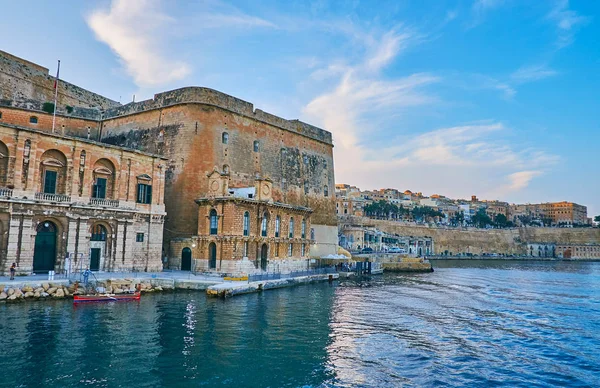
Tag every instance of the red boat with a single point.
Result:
(106, 297)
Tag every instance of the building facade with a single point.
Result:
(578, 251)
(243, 230)
(75, 204)
(566, 213)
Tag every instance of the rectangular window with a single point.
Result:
(50, 178)
(144, 193)
(290, 249)
(99, 189)
(276, 249)
(245, 248)
(139, 237)
(303, 250)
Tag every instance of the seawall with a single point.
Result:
(476, 241)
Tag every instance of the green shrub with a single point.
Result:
(69, 109)
(48, 107)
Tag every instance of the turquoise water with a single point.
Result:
(466, 324)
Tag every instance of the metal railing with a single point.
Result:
(292, 274)
(52, 197)
(6, 193)
(103, 202)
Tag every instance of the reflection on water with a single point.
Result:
(468, 324)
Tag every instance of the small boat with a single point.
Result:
(106, 297)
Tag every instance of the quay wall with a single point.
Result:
(476, 241)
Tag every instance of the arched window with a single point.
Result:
(256, 146)
(303, 231)
(290, 250)
(305, 187)
(277, 225)
(98, 233)
(292, 227)
(246, 224)
(264, 225)
(214, 222)
(326, 191)
(303, 251)
(33, 120)
(225, 138)
(225, 169)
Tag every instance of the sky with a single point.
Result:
(494, 98)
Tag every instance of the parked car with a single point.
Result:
(396, 250)
(366, 250)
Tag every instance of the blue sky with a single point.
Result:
(496, 98)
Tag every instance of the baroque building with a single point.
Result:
(74, 204)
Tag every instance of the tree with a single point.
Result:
(501, 220)
(458, 218)
(425, 213)
(481, 219)
(597, 219)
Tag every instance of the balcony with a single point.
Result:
(52, 197)
(104, 202)
(6, 193)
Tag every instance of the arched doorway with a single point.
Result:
(97, 247)
(44, 254)
(264, 250)
(212, 255)
(186, 259)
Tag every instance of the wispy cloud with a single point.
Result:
(133, 30)
(362, 90)
(532, 73)
(521, 179)
(139, 32)
(480, 8)
(567, 21)
(452, 158)
(212, 14)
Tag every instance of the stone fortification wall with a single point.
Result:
(473, 240)
(191, 136)
(215, 98)
(21, 80)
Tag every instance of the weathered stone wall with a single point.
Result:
(23, 80)
(473, 240)
(64, 125)
(299, 162)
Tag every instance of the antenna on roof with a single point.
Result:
(134, 98)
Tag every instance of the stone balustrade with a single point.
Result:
(52, 197)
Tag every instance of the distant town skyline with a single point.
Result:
(493, 98)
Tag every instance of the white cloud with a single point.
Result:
(362, 90)
(484, 5)
(480, 8)
(133, 30)
(532, 73)
(567, 22)
(521, 179)
(140, 32)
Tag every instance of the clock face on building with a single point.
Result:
(214, 186)
(266, 190)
